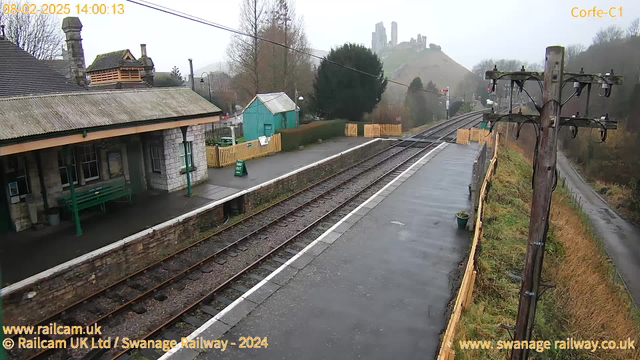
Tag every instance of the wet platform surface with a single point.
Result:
(30, 252)
(375, 286)
(271, 166)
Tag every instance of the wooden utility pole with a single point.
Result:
(546, 125)
(543, 183)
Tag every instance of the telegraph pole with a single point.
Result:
(546, 125)
(543, 183)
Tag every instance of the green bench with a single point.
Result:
(96, 196)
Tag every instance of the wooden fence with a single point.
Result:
(372, 130)
(351, 130)
(390, 130)
(463, 137)
(377, 130)
(223, 156)
(465, 293)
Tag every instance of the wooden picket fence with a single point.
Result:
(377, 130)
(351, 130)
(224, 156)
(465, 293)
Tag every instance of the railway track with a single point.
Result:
(157, 292)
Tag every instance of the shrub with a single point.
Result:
(310, 133)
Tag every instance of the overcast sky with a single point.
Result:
(467, 30)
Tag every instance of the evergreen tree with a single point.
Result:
(344, 93)
(416, 101)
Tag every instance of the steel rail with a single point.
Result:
(432, 130)
(222, 286)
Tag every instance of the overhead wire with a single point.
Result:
(186, 16)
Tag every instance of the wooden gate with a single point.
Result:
(245, 151)
(351, 130)
(372, 130)
(462, 137)
(390, 129)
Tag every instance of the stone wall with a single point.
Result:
(155, 179)
(92, 272)
(53, 183)
(72, 281)
(302, 179)
(174, 164)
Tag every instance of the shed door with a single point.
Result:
(268, 129)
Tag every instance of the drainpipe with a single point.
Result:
(186, 159)
(72, 190)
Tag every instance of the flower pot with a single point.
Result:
(462, 221)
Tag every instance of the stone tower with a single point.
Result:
(72, 28)
(394, 33)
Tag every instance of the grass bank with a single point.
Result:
(585, 305)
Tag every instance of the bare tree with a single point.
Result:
(288, 69)
(633, 28)
(39, 35)
(610, 34)
(572, 51)
(243, 52)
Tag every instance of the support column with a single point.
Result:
(66, 151)
(43, 187)
(186, 159)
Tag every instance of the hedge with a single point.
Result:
(310, 133)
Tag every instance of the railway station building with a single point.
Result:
(59, 137)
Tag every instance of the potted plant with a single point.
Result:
(462, 217)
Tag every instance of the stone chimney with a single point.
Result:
(149, 71)
(72, 27)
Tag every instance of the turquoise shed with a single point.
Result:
(267, 113)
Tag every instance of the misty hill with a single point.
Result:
(404, 64)
(216, 66)
(316, 52)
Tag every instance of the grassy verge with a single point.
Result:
(586, 303)
(618, 197)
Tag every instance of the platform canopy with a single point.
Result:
(61, 119)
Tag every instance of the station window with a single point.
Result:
(64, 175)
(89, 162)
(156, 158)
(18, 177)
(189, 155)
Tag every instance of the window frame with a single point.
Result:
(75, 167)
(93, 159)
(158, 157)
(183, 167)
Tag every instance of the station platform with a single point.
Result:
(376, 285)
(270, 167)
(30, 252)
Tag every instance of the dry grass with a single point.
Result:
(585, 305)
(597, 308)
(618, 197)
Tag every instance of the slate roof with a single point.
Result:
(22, 74)
(276, 102)
(61, 66)
(113, 60)
(59, 113)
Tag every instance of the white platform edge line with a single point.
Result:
(121, 243)
(257, 286)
